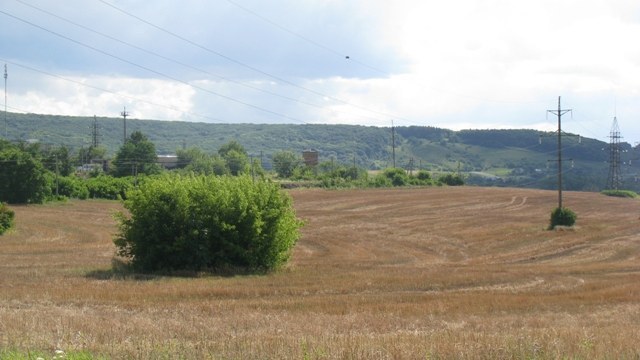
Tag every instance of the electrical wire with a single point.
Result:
(247, 66)
(166, 58)
(30, 68)
(153, 71)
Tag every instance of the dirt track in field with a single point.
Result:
(456, 272)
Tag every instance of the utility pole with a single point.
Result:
(559, 113)
(124, 115)
(393, 143)
(6, 75)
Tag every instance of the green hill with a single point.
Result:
(487, 157)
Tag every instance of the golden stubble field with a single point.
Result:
(394, 273)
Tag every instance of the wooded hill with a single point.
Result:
(525, 158)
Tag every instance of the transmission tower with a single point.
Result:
(615, 178)
(95, 133)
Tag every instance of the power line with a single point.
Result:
(153, 71)
(166, 58)
(107, 91)
(247, 66)
(309, 40)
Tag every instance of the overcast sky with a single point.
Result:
(460, 64)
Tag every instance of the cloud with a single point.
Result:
(476, 64)
(106, 96)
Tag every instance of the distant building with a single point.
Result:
(310, 157)
(168, 161)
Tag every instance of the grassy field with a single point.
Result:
(378, 274)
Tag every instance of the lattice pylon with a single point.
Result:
(615, 178)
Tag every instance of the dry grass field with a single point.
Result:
(378, 274)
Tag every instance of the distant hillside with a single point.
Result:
(487, 157)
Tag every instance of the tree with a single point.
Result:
(235, 156)
(136, 156)
(237, 162)
(207, 222)
(285, 162)
(22, 177)
(58, 160)
(86, 155)
(231, 146)
(6, 218)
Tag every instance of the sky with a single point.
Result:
(461, 64)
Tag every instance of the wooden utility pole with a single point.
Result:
(559, 113)
(393, 143)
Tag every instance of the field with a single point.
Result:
(459, 272)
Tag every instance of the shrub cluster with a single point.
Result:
(202, 222)
(562, 217)
(399, 177)
(6, 218)
(108, 187)
(620, 193)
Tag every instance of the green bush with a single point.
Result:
(562, 217)
(200, 223)
(451, 180)
(397, 176)
(423, 175)
(6, 218)
(71, 187)
(108, 187)
(22, 178)
(620, 193)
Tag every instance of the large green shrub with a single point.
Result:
(620, 193)
(6, 218)
(22, 177)
(562, 217)
(451, 179)
(207, 223)
(108, 187)
(71, 187)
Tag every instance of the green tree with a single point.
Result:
(207, 222)
(6, 218)
(235, 156)
(22, 177)
(237, 162)
(136, 156)
(285, 162)
(86, 155)
(231, 146)
(188, 156)
(58, 160)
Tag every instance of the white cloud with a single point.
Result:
(144, 98)
(455, 64)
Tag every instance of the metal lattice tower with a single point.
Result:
(95, 133)
(614, 180)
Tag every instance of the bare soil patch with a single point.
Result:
(459, 272)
